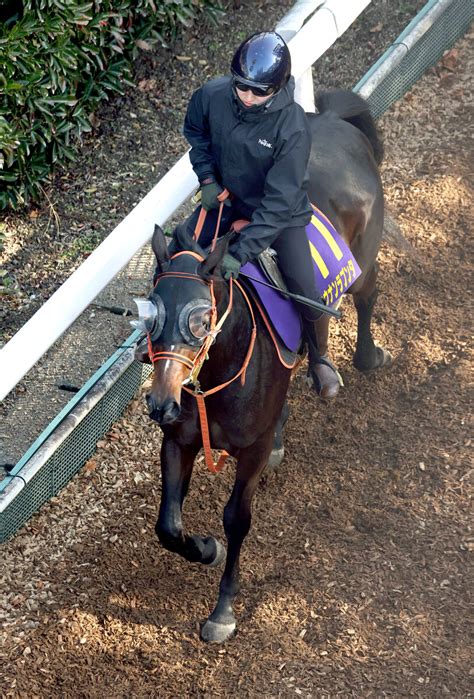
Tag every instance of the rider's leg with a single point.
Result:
(294, 259)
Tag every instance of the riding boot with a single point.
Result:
(323, 374)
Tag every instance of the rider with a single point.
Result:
(248, 135)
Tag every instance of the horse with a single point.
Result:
(235, 400)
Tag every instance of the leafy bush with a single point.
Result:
(58, 60)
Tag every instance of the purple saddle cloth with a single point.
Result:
(335, 270)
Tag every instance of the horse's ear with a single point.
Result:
(160, 248)
(212, 262)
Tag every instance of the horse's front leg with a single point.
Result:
(176, 469)
(237, 518)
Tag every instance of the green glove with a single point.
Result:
(209, 194)
(230, 267)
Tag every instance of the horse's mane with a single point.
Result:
(354, 109)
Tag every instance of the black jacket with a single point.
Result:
(259, 154)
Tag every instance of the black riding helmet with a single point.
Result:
(263, 62)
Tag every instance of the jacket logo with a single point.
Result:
(264, 142)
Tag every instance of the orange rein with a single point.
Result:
(196, 364)
(202, 217)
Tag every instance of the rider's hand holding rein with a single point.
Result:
(210, 192)
(230, 267)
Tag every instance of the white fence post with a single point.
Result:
(310, 28)
(288, 27)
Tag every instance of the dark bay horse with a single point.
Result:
(193, 312)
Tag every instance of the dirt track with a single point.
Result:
(354, 576)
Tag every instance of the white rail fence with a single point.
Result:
(310, 28)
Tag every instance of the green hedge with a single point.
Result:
(58, 60)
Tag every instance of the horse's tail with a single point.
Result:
(354, 109)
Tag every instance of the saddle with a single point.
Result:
(335, 270)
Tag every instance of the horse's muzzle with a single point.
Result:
(165, 413)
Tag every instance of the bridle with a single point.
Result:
(194, 365)
(191, 383)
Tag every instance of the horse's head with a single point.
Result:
(179, 318)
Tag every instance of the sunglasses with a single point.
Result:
(258, 91)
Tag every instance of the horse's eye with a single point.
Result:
(199, 322)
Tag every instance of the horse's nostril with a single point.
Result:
(163, 414)
(171, 412)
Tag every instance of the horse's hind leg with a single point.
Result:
(278, 450)
(176, 468)
(237, 518)
(367, 355)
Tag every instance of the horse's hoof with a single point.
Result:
(276, 457)
(383, 359)
(217, 633)
(220, 555)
